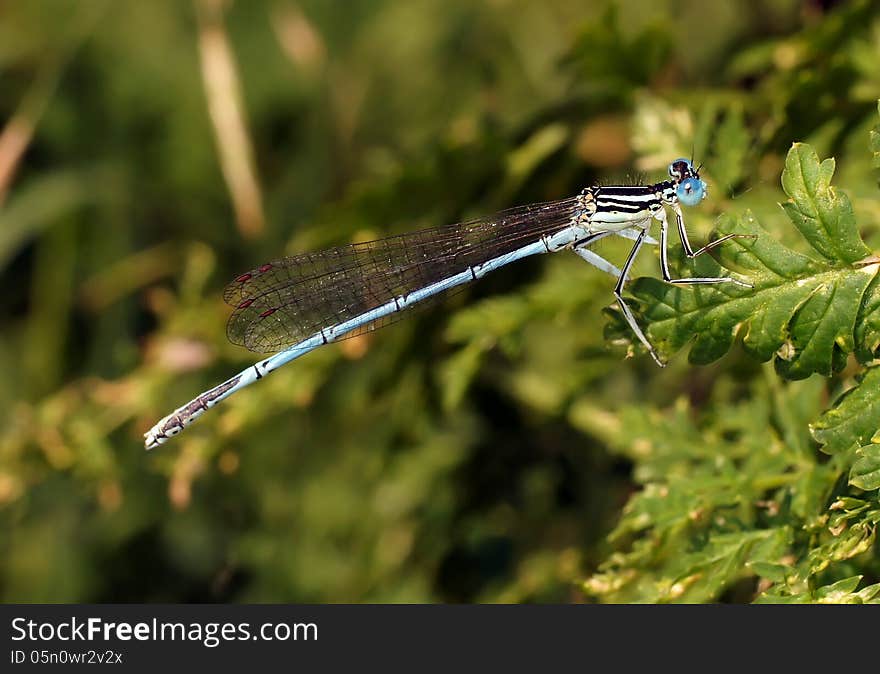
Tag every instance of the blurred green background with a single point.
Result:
(150, 151)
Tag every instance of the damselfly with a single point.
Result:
(298, 303)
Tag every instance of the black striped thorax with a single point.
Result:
(634, 198)
(613, 206)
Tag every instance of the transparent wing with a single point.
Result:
(282, 302)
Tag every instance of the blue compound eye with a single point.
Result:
(691, 191)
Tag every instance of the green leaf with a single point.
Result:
(838, 592)
(867, 331)
(853, 541)
(775, 572)
(824, 217)
(802, 312)
(853, 419)
(726, 493)
(868, 593)
(865, 473)
(712, 489)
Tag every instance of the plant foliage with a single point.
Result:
(497, 447)
(743, 491)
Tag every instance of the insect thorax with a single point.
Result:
(586, 209)
(612, 208)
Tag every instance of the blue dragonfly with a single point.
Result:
(298, 303)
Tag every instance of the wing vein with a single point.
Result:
(282, 302)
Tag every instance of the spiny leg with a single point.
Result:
(627, 313)
(664, 262)
(686, 244)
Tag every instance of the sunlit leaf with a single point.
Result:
(854, 417)
(865, 473)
